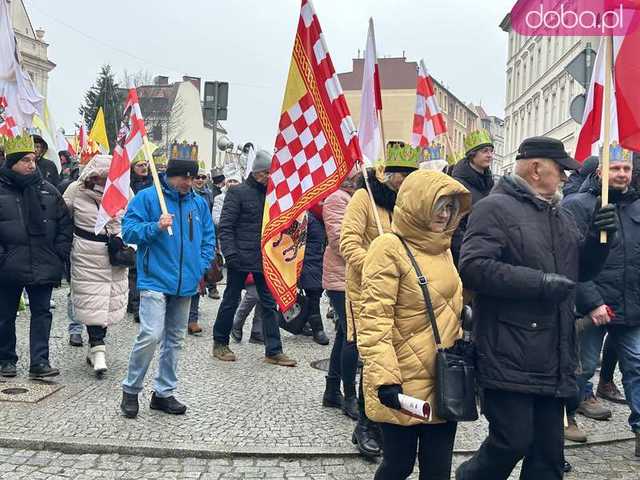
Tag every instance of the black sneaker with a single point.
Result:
(75, 340)
(43, 371)
(167, 405)
(8, 369)
(129, 405)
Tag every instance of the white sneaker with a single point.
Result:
(97, 359)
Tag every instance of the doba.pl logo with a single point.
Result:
(575, 17)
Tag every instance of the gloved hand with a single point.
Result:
(556, 287)
(604, 219)
(388, 395)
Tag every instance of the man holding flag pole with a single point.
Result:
(173, 230)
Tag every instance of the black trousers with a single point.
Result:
(96, 335)
(433, 445)
(343, 362)
(520, 426)
(231, 300)
(39, 330)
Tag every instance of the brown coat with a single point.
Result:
(359, 229)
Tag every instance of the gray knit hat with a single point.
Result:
(262, 161)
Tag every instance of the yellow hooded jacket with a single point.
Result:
(359, 229)
(395, 338)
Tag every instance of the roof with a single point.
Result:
(395, 74)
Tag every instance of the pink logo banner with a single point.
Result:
(575, 17)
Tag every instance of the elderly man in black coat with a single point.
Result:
(240, 233)
(523, 255)
(36, 232)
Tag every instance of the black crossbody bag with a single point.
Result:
(455, 369)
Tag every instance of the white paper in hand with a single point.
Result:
(415, 407)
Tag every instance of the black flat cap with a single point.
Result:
(546, 147)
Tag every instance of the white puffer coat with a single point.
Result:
(99, 290)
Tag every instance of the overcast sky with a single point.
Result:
(248, 43)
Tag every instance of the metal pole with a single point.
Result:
(214, 143)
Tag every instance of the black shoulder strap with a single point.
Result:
(422, 281)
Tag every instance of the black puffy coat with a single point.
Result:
(576, 179)
(480, 185)
(240, 226)
(33, 260)
(140, 183)
(49, 171)
(618, 284)
(311, 276)
(525, 342)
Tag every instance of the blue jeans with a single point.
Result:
(626, 341)
(74, 327)
(163, 320)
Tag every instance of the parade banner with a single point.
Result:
(316, 147)
(428, 120)
(98, 132)
(369, 129)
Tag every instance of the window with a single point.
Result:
(554, 110)
(524, 74)
(539, 58)
(532, 77)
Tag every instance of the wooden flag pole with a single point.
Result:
(450, 147)
(376, 215)
(156, 180)
(608, 89)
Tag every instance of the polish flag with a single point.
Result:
(428, 120)
(627, 80)
(369, 131)
(592, 131)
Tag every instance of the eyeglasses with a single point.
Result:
(201, 177)
(141, 164)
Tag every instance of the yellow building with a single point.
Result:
(398, 83)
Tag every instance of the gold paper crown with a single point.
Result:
(20, 144)
(402, 156)
(619, 154)
(477, 139)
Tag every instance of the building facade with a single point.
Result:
(539, 91)
(398, 84)
(173, 113)
(31, 47)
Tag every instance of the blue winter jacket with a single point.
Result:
(170, 264)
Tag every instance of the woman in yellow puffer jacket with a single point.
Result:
(395, 338)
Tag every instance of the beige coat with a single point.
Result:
(99, 291)
(395, 339)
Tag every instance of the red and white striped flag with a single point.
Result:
(369, 131)
(627, 79)
(592, 131)
(428, 120)
(130, 141)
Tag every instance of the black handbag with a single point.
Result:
(455, 369)
(120, 254)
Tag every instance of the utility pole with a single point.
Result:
(216, 96)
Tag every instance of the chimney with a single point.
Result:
(195, 80)
(159, 80)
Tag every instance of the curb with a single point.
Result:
(186, 450)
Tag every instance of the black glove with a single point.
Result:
(556, 287)
(605, 218)
(388, 395)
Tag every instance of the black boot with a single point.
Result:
(167, 405)
(364, 440)
(318, 330)
(332, 397)
(129, 405)
(350, 406)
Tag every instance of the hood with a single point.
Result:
(416, 198)
(383, 195)
(465, 172)
(98, 166)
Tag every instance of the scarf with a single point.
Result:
(32, 206)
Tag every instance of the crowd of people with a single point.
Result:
(548, 293)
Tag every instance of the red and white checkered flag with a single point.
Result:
(428, 120)
(130, 141)
(315, 149)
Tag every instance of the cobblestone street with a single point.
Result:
(245, 419)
